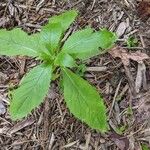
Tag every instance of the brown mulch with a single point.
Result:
(51, 126)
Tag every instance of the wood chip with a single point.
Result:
(97, 69)
(20, 126)
(121, 29)
(52, 139)
(3, 77)
(88, 137)
(2, 108)
(70, 144)
(141, 77)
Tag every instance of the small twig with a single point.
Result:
(132, 32)
(76, 3)
(130, 80)
(46, 122)
(52, 139)
(114, 98)
(140, 48)
(33, 25)
(87, 142)
(71, 30)
(127, 3)
(93, 4)
(142, 41)
(20, 125)
(97, 69)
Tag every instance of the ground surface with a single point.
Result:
(51, 126)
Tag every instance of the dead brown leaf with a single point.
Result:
(121, 142)
(144, 9)
(126, 56)
(138, 56)
(118, 52)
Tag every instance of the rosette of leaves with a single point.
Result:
(82, 99)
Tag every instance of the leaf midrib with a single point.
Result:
(77, 89)
(76, 43)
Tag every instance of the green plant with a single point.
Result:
(132, 42)
(81, 98)
(145, 147)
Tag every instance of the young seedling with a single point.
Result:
(145, 147)
(83, 101)
(132, 42)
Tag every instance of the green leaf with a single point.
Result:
(31, 92)
(106, 39)
(65, 60)
(52, 33)
(145, 147)
(84, 101)
(86, 43)
(81, 69)
(132, 42)
(51, 36)
(18, 42)
(65, 19)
